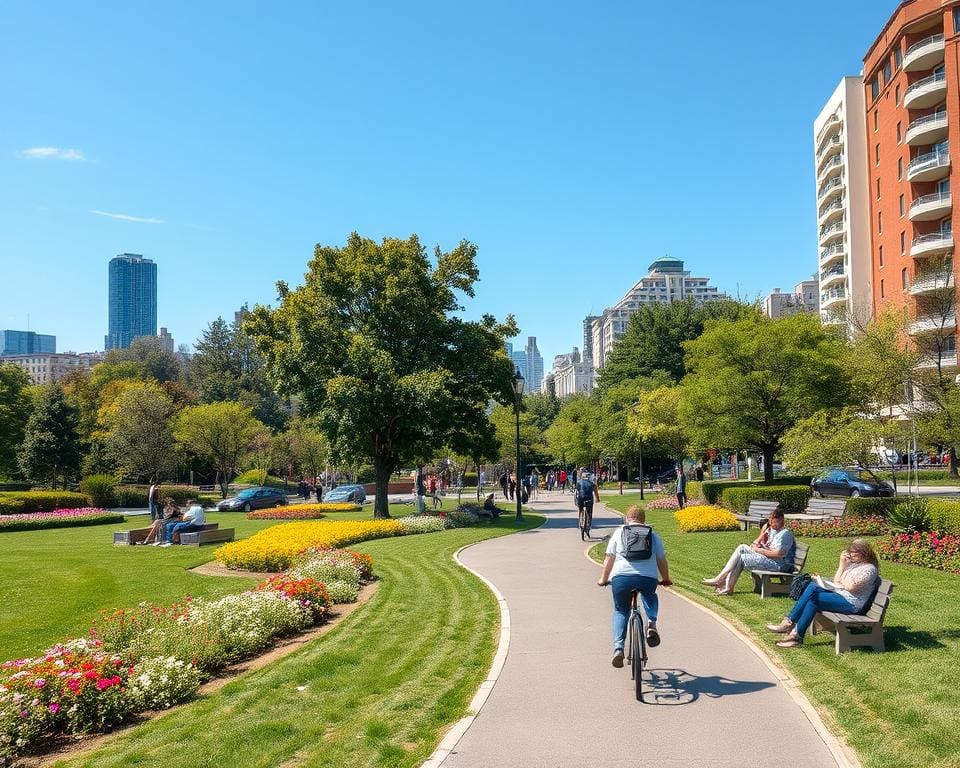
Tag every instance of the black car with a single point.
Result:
(254, 498)
(849, 482)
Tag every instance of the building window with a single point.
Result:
(896, 95)
(886, 72)
(881, 289)
(874, 89)
(876, 153)
(903, 206)
(899, 134)
(881, 255)
(903, 243)
(880, 222)
(903, 278)
(956, 20)
(897, 57)
(878, 189)
(876, 122)
(900, 169)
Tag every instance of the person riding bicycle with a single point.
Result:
(586, 491)
(635, 561)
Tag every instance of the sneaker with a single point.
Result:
(166, 544)
(617, 659)
(155, 544)
(653, 637)
(781, 628)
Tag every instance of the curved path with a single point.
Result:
(559, 702)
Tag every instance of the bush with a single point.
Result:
(326, 570)
(705, 518)
(944, 516)
(135, 496)
(910, 515)
(160, 682)
(343, 592)
(40, 501)
(711, 490)
(792, 498)
(871, 506)
(99, 489)
(929, 550)
(252, 477)
(422, 523)
(59, 518)
(310, 593)
(841, 527)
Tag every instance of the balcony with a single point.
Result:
(926, 93)
(932, 282)
(830, 128)
(832, 297)
(831, 253)
(928, 129)
(830, 149)
(831, 211)
(930, 323)
(831, 186)
(930, 207)
(947, 359)
(936, 244)
(832, 275)
(831, 232)
(830, 168)
(925, 54)
(929, 167)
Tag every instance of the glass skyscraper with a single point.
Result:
(26, 343)
(133, 300)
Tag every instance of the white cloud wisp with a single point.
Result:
(52, 153)
(127, 217)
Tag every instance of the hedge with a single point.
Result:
(252, 477)
(36, 525)
(792, 498)
(944, 516)
(13, 502)
(869, 506)
(711, 490)
(136, 495)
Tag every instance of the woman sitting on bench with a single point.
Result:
(171, 513)
(773, 550)
(851, 589)
(192, 521)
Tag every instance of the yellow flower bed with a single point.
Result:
(302, 511)
(273, 549)
(705, 518)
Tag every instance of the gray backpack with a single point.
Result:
(637, 542)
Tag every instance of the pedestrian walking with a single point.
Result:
(681, 487)
(153, 503)
(504, 483)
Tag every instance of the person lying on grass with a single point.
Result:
(171, 513)
(773, 550)
(853, 586)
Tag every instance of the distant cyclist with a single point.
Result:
(586, 491)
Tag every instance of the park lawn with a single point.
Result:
(378, 690)
(899, 708)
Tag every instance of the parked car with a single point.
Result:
(351, 493)
(837, 481)
(253, 498)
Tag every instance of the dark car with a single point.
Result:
(849, 482)
(254, 498)
(352, 493)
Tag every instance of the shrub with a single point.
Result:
(841, 527)
(252, 477)
(59, 518)
(274, 549)
(711, 490)
(871, 506)
(326, 569)
(464, 516)
(929, 550)
(343, 592)
(792, 498)
(160, 682)
(301, 511)
(422, 523)
(99, 489)
(705, 518)
(944, 516)
(40, 501)
(136, 495)
(310, 593)
(910, 515)
(362, 563)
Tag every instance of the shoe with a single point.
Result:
(155, 544)
(724, 591)
(617, 659)
(653, 637)
(791, 641)
(166, 544)
(781, 628)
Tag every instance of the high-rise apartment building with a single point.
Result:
(132, 300)
(26, 343)
(666, 281)
(804, 298)
(843, 206)
(912, 111)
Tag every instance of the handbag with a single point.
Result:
(799, 584)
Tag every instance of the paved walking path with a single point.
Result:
(559, 702)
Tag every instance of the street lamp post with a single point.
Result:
(636, 405)
(518, 393)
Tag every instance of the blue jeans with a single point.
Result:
(622, 586)
(816, 599)
(155, 511)
(177, 527)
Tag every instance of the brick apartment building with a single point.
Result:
(911, 81)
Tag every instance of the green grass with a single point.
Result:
(898, 709)
(379, 688)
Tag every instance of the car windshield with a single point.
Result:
(245, 494)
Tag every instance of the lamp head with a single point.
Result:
(517, 382)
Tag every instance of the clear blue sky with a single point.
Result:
(574, 143)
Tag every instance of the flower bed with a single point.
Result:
(705, 518)
(276, 548)
(301, 511)
(423, 523)
(59, 518)
(152, 657)
(840, 527)
(930, 550)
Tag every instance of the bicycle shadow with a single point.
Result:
(676, 687)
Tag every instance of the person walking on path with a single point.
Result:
(153, 503)
(504, 483)
(772, 550)
(681, 487)
(563, 480)
(635, 560)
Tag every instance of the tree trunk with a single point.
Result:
(382, 471)
(953, 462)
(767, 463)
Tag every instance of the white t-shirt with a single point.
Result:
(195, 515)
(622, 566)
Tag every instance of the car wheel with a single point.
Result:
(819, 493)
(246, 507)
(854, 494)
(282, 503)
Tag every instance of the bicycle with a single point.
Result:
(585, 519)
(636, 644)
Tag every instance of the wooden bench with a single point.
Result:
(196, 538)
(855, 630)
(489, 509)
(767, 583)
(821, 509)
(757, 513)
(136, 535)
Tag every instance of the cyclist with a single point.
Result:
(585, 492)
(641, 573)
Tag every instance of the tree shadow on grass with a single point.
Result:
(675, 687)
(905, 639)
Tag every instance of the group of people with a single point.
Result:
(306, 489)
(169, 521)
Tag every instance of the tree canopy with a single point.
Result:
(14, 411)
(50, 448)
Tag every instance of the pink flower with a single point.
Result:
(39, 682)
(54, 707)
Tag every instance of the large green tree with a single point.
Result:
(752, 379)
(51, 445)
(837, 437)
(138, 430)
(571, 436)
(372, 344)
(14, 411)
(155, 361)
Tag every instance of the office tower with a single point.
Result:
(26, 343)
(133, 300)
(843, 206)
(534, 372)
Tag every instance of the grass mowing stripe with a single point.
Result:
(380, 687)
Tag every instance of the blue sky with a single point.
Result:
(574, 143)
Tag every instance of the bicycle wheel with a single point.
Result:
(588, 515)
(636, 656)
(584, 528)
(641, 661)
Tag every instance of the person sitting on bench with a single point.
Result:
(192, 521)
(171, 513)
(773, 550)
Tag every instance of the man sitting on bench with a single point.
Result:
(773, 550)
(193, 520)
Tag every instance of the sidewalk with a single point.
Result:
(559, 702)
